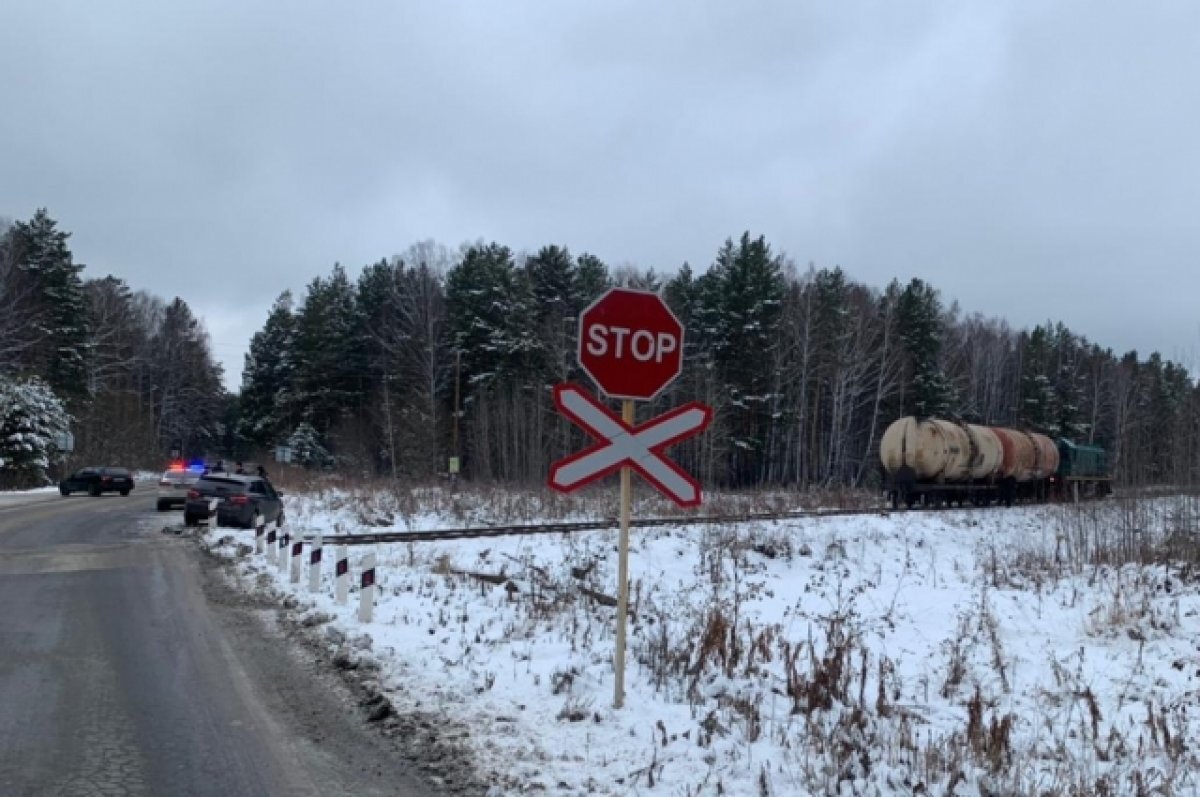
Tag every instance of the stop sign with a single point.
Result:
(630, 343)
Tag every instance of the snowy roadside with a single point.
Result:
(20, 497)
(971, 652)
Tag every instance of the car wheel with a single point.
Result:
(190, 520)
(162, 505)
(94, 492)
(64, 492)
(124, 492)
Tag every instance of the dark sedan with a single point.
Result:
(95, 481)
(240, 500)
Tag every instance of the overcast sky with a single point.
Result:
(1033, 161)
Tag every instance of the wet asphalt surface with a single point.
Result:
(126, 668)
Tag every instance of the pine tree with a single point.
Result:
(188, 394)
(57, 329)
(267, 379)
(740, 300)
(588, 282)
(329, 359)
(1039, 401)
(31, 419)
(929, 392)
(487, 303)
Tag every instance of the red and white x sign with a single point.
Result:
(640, 447)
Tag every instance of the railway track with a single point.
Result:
(441, 535)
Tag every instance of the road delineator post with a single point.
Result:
(210, 517)
(271, 543)
(259, 532)
(314, 564)
(284, 539)
(342, 572)
(297, 559)
(366, 595)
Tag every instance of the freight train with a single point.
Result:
(937, 462)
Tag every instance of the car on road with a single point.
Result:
(241, 500)
(173, 487)
(96, 480)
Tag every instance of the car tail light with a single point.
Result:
(106, 478)
(193, 493)
(239, 500)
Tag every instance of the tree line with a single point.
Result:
(125, 372)
(438, 353)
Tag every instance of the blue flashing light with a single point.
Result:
(198, 466)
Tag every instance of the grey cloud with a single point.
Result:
(1033, 162)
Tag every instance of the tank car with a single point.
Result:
(937, 462)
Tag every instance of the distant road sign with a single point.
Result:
(640, 447)
(630, 343)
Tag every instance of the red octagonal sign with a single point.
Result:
(630, 343)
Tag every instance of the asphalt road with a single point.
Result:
(124, 670)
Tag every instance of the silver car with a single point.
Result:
(173, 487)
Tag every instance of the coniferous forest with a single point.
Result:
(440, 352)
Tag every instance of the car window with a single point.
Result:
(217, 484)
(258, 488)
(84, 473)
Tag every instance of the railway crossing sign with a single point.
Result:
(620, 444)
(630, 343)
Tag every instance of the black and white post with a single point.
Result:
(366, 596)
(284, 539)
(271, 544)
(259, 531)
(297, 559)
(342, 572)
(314, 564)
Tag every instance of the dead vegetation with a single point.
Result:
(818, 685)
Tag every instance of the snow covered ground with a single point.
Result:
(1041, 650)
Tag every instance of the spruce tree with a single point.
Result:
(929, 392)
(31, 419)
(57, 329)
(738, 312)
(329, 360)
(267, 379)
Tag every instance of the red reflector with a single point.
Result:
(193, 493)
(239, 500)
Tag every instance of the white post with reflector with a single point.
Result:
(297, 559)
(342, 572)
(259, 531)
(284, 539)
(314, 564)
(271, 544)
(366, 595)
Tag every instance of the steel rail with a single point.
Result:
(442, 535)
